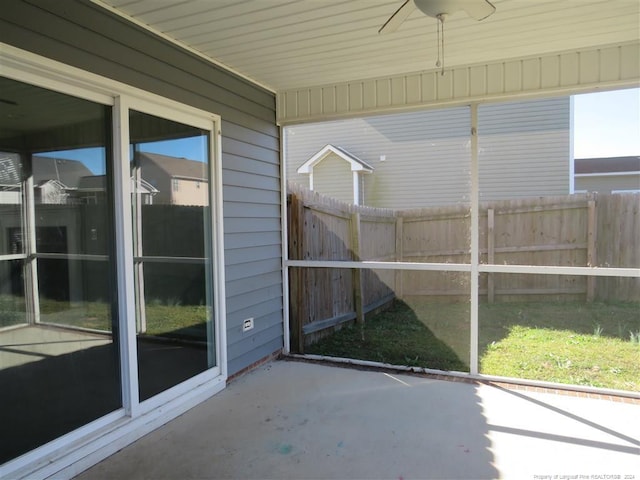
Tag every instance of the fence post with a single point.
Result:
(399, 256)
(591, 247)
(297, 301)
(491, 245)
(356, 272)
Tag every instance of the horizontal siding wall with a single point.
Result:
(426, 155)
(81, 34)
(550, 74)
(333, 177)
(607, 184)
(525, 148)
(422, 159)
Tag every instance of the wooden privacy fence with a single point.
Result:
(573, 230)
(322, 228)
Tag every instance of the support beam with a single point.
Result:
(358, 297)
(356, 188)
(491, 257)
(475, 243)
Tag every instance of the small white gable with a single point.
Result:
(357, 165)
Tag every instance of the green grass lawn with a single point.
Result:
(582, 344)
(162, 319)
(12, 310)
(94, 315)
(395, 336)
(594, 344)
(176, 320)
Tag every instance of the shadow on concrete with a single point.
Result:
(308, 421)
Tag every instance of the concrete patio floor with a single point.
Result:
(298, 420)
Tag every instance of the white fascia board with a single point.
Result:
(589, 69)
(357, 165)
(361, 168)
(307, 167)
(606, 174)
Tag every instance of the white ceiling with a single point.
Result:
(284, 44)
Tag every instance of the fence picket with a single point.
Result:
(562, 230)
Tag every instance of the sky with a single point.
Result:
(191, 148)
(606, 124)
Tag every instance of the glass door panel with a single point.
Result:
(12, 252)
(172, 252)
(59, 362)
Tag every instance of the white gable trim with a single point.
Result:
(356, 164)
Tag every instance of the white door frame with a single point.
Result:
(72, 453)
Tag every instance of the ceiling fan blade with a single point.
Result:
(479, 9)
(398, 17)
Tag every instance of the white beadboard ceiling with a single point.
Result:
(288, 44)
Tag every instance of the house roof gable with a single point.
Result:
(607, 165)
(175, 167)
(66, 171)
(356, 164)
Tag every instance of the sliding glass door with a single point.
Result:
(107, 261)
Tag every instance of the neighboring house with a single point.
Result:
(66, 172)
(55, 180)
(335, 172)
(58, 181)
(423, 158)
(178, 181)
(607, 175)
(51, 192)
(92, 190)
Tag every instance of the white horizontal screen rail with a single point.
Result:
(466, 267)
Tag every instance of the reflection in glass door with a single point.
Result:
(172, 251)
(12, 247)
(59, 363)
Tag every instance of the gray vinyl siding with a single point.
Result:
(81, 34)
(427, 157)
(525, 148)
(524, 151)
(333, 177)
(607, 184)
